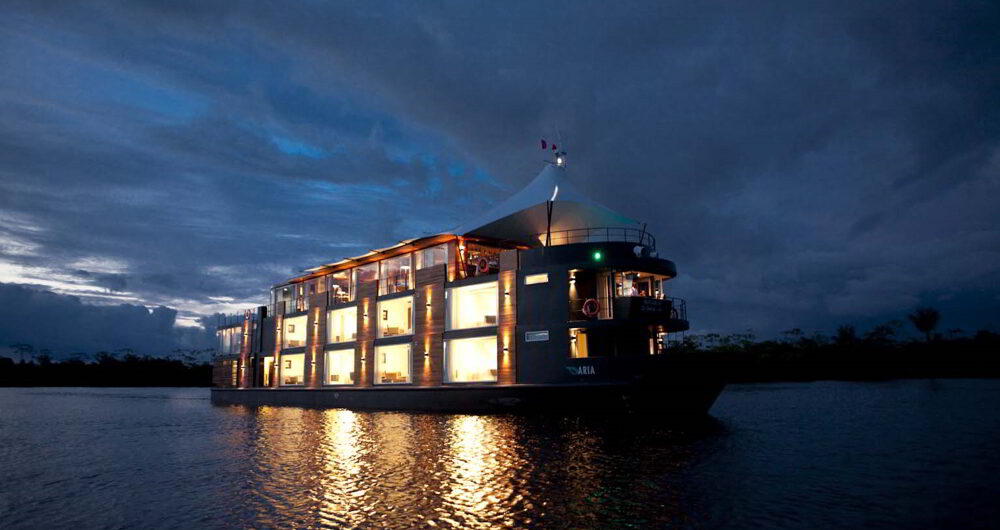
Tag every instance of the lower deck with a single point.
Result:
(684, 397)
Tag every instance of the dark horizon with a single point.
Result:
(804, 167)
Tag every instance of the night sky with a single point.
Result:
(804, 167)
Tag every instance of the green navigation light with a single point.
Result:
(597, 255)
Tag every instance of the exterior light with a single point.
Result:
(597, 255)
(559, 160)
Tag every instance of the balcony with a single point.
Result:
(235, 319)
(599, 235)
(631, 308)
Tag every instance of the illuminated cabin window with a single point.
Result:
(342, 325)
(532, 279)
(643, 284)
(395, 317)
(340, 367)
(392, 364)
(395, 275)
(470, 360)
(268, 369)
(432, 256)
(340, 285)
(472, 306)
(293, 369)
(294, 335)
(578, 343)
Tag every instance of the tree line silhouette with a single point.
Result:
(107, 369)
(878, 354)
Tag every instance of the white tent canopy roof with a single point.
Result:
(522, 217)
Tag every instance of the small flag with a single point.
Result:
(543, 144)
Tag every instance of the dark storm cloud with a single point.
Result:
(805, 166)
(65, 325)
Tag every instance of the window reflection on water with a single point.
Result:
(339, 468)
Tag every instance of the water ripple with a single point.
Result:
(789, 456)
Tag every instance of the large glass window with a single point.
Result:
(340, 286)
(395, 275)
(395, 317)
(340, 367)
(293, 369)
(432, 256)
(472, 306)
(468, 360)
(392, 364)
(294, 335)
(365, 273)
(342, 325)
(230, 340)
(634, 283)
(315, 286)
(284, 299)
(301, 301)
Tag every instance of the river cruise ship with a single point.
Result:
(547, 301)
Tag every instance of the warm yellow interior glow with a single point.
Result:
(340, 367)
(268, 370)
(468, 360)
(578, 343)
(392, 364)
(342, 325)
(395, 317)
(295, 332)
(292, 369)
(532, 279)
(472, 306)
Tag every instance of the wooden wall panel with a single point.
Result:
(507, 319)
(506, 323)
(428, 326)
(278, 331)
(315, 340)
(365, 355)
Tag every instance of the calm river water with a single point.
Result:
(905, 454)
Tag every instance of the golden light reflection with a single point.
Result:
(478, 488)
(347, 475)
(305, 468)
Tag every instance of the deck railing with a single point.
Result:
(619, 307)
(235, 319)
(599, 235)
(678, 308)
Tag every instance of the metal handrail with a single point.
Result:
(599, 235)
(235, 319)
(678, 308)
